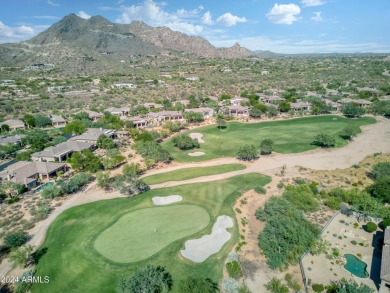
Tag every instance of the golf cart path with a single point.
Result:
(375, 138)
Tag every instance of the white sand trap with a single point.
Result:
(197, 136)
(163, 200)
(196, 154)
(198, 250)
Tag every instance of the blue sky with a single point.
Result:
(291, 26)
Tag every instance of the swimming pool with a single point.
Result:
(355, 266)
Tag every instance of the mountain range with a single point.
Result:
(96, 43)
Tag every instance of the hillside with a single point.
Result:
(165, 38)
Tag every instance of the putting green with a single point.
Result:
(140, 234)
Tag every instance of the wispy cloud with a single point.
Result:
(229, 19)
(284, 13)
(317, 17)
(10, 34)
(309, 3)
(207, 18)
(52, 3)
(153, 13)
(45, 17)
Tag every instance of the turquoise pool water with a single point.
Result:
(44, 185)
(355, 266)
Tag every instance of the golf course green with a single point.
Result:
(189, 173)
(289, 136)
(155, 228)
(78, 242)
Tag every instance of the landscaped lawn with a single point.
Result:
(189, 173)
(73, 262)
(289, 136)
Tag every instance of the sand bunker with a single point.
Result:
(196, 154)
(197, 136)
(198, 250)
(163, 200)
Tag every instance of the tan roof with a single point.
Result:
(13, 123)
(21, 170)
(385, 267)
(92, 134)
(165, 114)
(57, 119)
(199, 110)
(93, 114)
(63, 148)
(11, 139)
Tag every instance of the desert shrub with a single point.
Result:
(75, 183)
(24, 284)
(371, 227)
(234, 269)
(380, 189)
(230, 285)
(266, 147)
(260, 189)
(276, 286)
(198, 285)
(247, 153)
(301, 197)
(380, 170)
(318, 287)
(325, 140)
(41, 212)
(354, 242)
(15, 239)
(185, 142)
(152, 150)
(333, 202)
(50, 191)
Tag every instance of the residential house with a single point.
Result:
(123, 86)
(138, 122)
(335, 106)
(213, 98)
(94, 116)
(345, 101)
(27, 173)
(237, 101)
(206, 112)
(61, 152)
(385, 265)
(150, 106)
(239, 111)
(159, 118)
(13, 124)
(117, 111)
(57, 121)
(122, 134)
(92, 135)
(271, 99)
(14, 139)
(301, 106)
(361, 102)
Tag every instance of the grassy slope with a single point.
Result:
(124, 247)
(289, 136)
(189, 173)
(72, 262)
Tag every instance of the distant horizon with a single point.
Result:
(299, 27)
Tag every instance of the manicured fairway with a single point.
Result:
(73, 264)
(140, 234)
(289, 136)
(189, 173)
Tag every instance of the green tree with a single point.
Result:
(247, 153)
(352, 110)
(58, 139)
(221, 123)
(255, 113)
(149, 279)
(185, 142)
(21, 256)
(223, 97)
(276, 286)
(15, 239)
(10, 189)
(198, 285)
(29, 120)
(234, 269)
(113, 159)
(348, 133)
(266, 146)
(103, 179)
(42, 120)
(380, 189)
(284, 106)
(4, 128)
(272, 111)
(193, 117)
(324, 140)
(75, 183)
(380, 170)
(74, 127)
(104, 142)
(173, 126)
(85, 161)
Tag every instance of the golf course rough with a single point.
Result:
(140, 234)
(198, 250)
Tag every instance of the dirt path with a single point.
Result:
(375, 138)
